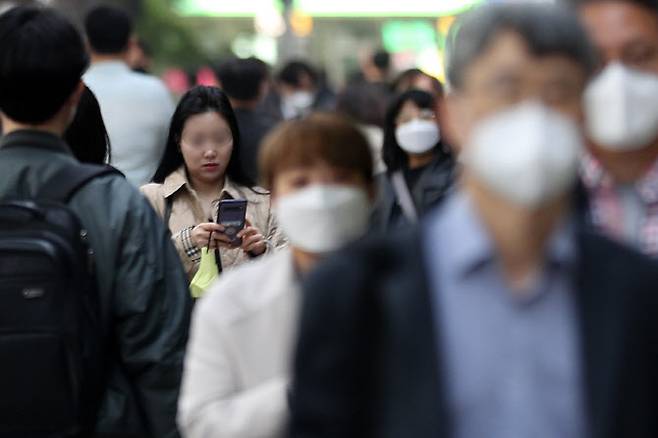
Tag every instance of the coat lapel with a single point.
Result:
(600, 309)
(412, 367)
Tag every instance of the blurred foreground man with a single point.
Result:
(500, 316)
(620, 170)
(143, 300)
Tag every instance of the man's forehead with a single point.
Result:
(613, 23)
(509, 49)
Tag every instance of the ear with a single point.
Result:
(454, 121)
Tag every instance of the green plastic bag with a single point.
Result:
(206, 274)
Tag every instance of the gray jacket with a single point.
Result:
(142, 287)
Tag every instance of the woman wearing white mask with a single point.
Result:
(420, 168)
(236, 377)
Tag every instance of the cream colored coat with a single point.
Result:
(237, 367)
(187, 212)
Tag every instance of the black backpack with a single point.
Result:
(51, 333)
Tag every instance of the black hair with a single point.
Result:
(404, 81)
(42, 57)
(546, 29)
(200, 100)
(293, 71)
(382, 60)
(364, 102)
(242, 79)
(108, 29)
(86, 135)
(394, 157)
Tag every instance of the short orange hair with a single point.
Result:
(320, 137)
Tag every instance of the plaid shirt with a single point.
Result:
(606, 207)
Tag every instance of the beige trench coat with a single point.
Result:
(187, 212)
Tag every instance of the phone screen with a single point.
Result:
(231, 214)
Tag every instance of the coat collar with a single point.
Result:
(35, 139)
(177, 180)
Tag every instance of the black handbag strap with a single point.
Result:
(169, 202)
(67, 181)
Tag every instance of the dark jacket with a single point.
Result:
(367, 363)
(142, 287)
(254, 126)
(431, 187)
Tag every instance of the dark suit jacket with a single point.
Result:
(367, 363)
(431, 188)
(254, 125)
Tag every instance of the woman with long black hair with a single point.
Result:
(420, 167)
(199, 168)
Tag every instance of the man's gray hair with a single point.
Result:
(547, 29)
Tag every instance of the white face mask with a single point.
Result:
(621, 105)
(297, 104)
(528, 154)
(323, 218)
(417, 136)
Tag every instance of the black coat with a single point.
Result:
(367, 362)
(141, 285)
(431, 188)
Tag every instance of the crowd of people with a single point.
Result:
(266, 258)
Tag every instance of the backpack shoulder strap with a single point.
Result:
(71, 178)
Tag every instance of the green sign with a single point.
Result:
(327, 8)
(403, 36)
(225, 8)
(382, 8)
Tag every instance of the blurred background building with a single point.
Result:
(184, 39)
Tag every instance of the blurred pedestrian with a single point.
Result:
(376, 68)
(139, 287)
(136, 107)
(620, 168)
(365, 104)
(199, 169)
(499, 316)
(86, 135)
(420, 169)
(298, 91)
(246, 83)
(237, 371)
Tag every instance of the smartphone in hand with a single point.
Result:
(231, 213)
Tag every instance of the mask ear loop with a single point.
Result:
(210, 236)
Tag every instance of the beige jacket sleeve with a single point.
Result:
(187, 251)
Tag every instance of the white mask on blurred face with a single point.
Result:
(527, 154)
(297, 104)
(417, 136)
(621, 106)
(323, 218)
